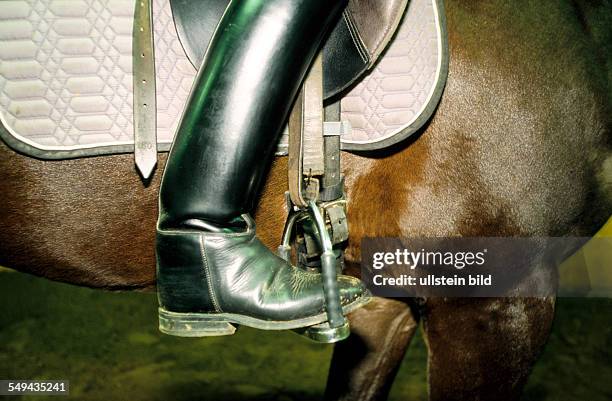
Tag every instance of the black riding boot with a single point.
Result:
(211, 268)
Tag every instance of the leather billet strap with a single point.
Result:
(294, 153)
(314, 144)
(306, 153)
(313, 161)
(144, 102)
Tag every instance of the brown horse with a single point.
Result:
(519, 146)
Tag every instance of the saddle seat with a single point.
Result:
(353, 46)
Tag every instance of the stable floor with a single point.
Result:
(108, 346)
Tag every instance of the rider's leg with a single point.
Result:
(210, 264)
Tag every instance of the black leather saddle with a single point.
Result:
(353, 46)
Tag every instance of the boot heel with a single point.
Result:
(193, 324)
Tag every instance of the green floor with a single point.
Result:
(108, 346)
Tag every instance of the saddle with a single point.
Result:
(351, 49)
(70, 73)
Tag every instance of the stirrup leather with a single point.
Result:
(316, 222)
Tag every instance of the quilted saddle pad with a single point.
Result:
(66, 78)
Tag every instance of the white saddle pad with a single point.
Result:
(66, 81)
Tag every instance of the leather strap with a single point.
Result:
(306, 153)
(332, 187)
(294, 155)
(144, 102)
(313, 120)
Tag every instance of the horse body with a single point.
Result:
(520, 146)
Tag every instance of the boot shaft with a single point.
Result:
(241, 98)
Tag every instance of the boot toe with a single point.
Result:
(352, 290)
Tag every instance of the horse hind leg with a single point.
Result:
(364, 366)
(484, 349)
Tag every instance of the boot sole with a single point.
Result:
(224, 324)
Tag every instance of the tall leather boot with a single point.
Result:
(212, 271)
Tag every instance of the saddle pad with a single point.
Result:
(66, 81)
